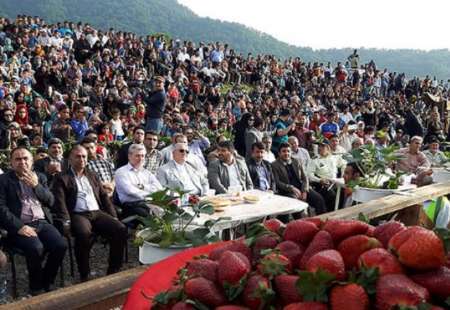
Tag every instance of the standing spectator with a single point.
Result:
(153, 157)
(282, 130)
(156, 103)
(79, 124)
(252, 135)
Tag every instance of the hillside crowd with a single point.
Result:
(92, 119)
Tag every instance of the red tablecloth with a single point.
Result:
(159, 277)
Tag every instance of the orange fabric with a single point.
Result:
(160, 275)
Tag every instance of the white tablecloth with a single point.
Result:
(268, 205)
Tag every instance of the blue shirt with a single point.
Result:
(263, 177)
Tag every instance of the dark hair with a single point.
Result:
(355, 168)
(88, 140)
(258, 145)
(137, 128)
(284, 145)
(226, 145)
(151, 132)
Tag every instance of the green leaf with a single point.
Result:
(363, 218)
(447, 301)
(233, 291)
(313, 286)
(444, 235)
(366, 277)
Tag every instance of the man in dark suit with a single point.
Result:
(260, 170)
(84, 205)
(229, 171)
(291, 180)
(55, 162)
(24, 197)
(138, 138)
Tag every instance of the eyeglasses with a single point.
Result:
(182, 151)
(8, 115)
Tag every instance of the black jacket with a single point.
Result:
(156, 103)
(251, 165)
(11, 206)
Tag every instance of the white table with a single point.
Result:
(268, 205)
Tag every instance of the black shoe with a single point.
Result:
(35, 292)
(49, 288)
(84, 279)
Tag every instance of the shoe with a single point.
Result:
(49, 288)
(35, 292)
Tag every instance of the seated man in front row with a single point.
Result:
(83, 203)
(260, 170)
(23, 197)
(134, 183)
(228, 171)
(291, 180)
(180, 174)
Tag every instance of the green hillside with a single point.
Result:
(168, 16)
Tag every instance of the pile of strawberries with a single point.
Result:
(316, 265)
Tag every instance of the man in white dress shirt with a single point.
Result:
(134, 182)
(299, 153)
(180, 174)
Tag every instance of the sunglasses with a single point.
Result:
(183, 151)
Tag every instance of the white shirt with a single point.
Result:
(324, 168)
(85, 196)
(135, 184)
(302, 156)
(233, 174)
(269, 157)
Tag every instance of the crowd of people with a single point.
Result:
(94, 119)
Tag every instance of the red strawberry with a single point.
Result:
(300, 231)
(317, 221)
(291, 250)
(264, 242)
(328, 260)
(204, 291)
(235, 246)
(257, 292)
(285, 286)
(398, 290)
(386, 231)
(182, 306)
(233, 266)
(381, 259)
(418, 248)
(349, 297)
(274, 225)
(352, 247)
(371, 231)
(307, 305)
(321, 241)
(274, 264)
(203, 267)
(341, 229)
(231, 307)
(403, 236)
(437, 281)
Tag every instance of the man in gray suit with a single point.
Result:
(228, 171)
(180, 174)
(291, 180)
